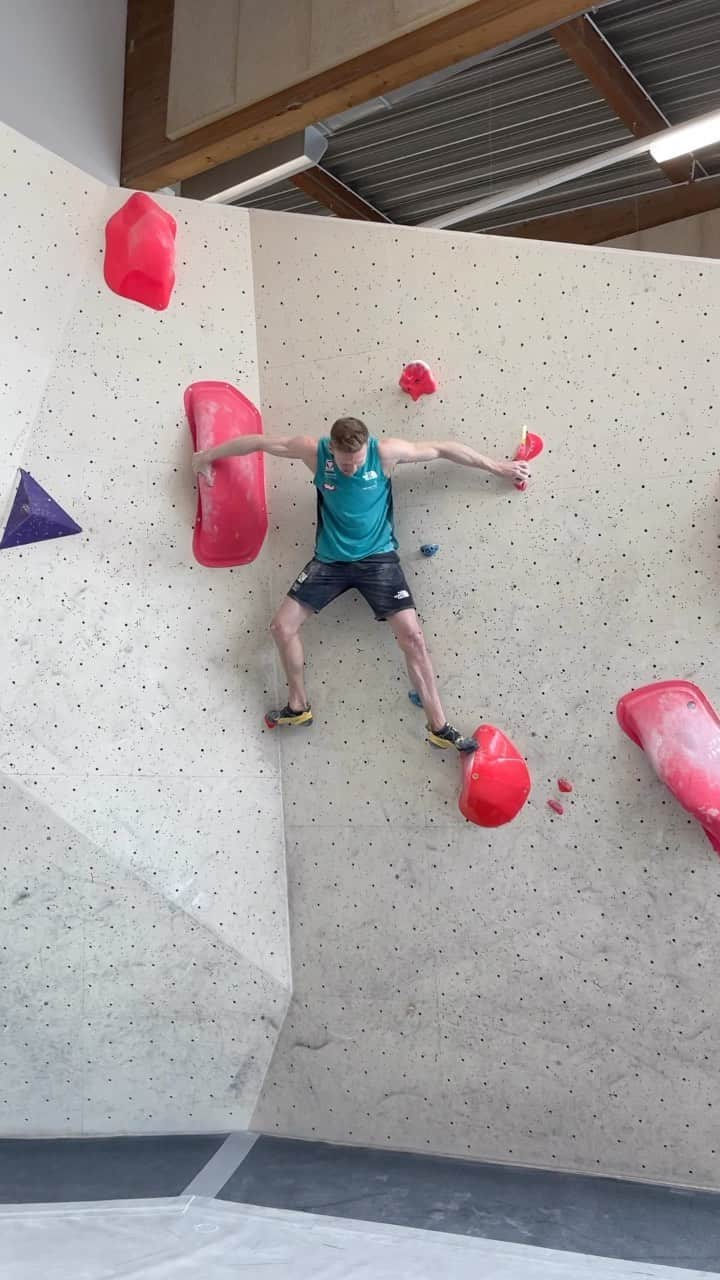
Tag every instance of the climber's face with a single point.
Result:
(349, 463)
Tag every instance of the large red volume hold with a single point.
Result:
(679, 731)
(496, 780)
(231, 520)
(140, 252)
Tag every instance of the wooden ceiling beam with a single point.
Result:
(594, 224)
(148, 49)
(150, 160)
(325, 189)
(583, 41)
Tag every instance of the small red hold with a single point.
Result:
(556, 807)
(140, 252)
(565, 786)
(417, 379)
(530, 447)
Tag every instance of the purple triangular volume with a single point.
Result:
(35, 516)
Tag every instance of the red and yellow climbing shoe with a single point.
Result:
(449, 737)
(289, 717)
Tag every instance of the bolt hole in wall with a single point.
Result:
(537, 993)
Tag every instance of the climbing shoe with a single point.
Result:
(449, 737)
(288, 716)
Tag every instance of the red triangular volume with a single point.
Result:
(35, 516)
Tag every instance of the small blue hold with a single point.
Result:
(430, 548)
(414, 697)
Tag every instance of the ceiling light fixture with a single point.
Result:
(683, 139)
(677, 140)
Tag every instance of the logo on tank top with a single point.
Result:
(370, 475)
(329, 465)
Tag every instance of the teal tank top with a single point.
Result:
(354, 513)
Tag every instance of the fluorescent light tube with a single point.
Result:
(682, 139)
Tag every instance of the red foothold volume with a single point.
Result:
(556, 807)
(565, 786)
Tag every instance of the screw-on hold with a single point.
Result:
(430, 548)
(414, 697)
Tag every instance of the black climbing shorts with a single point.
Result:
(379, 579)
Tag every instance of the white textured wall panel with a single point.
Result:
(49, 212)
(544, 993)
(133, 685)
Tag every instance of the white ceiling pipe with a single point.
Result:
(556, 177)
(257, 169)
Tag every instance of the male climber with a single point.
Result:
(355, 547)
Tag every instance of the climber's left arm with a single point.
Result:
(393, 452)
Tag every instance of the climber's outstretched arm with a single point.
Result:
(393, 452)
(302, 448)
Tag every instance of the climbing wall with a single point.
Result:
(542, 994)
(145, 961)
(48, 251)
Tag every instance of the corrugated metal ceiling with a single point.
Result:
(520, 113)
(673, 47)
(283, 197)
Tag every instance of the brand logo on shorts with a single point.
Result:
(401, 595)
